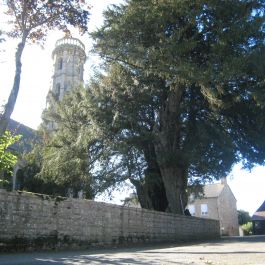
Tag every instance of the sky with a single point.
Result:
(37, 68)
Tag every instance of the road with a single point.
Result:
(229, 251)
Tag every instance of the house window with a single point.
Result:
(204, 209)
(60, 64)
(191, 208)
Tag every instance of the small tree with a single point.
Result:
(31, 21)
(247, 228)
(243, 217)
(7, 158)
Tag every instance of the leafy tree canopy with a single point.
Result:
(7, 158)
(32, 19)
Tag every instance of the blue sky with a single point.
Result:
(248, 187)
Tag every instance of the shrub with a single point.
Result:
(247, 228)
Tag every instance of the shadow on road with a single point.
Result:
(102, 260)
(247, 239)
(145, 255)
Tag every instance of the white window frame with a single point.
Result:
(204, 209)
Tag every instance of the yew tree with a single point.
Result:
(31, 20)
(202, 65)
(125, 125)
(75, 155)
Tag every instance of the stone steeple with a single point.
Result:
(69, 58)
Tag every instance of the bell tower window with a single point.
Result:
(57, 91)
(60, 64)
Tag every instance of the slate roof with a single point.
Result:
(209, 191)
(213, 190)
(259, 215)
(28, 136)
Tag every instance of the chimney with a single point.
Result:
(224, 181)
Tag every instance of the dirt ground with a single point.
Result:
(227, 251)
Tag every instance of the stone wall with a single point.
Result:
(34, 221)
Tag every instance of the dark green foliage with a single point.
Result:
(126, 126)
(186, 78)
(75, 155)
(243, 217)
(27, 176)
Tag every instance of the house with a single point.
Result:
(258, 220)
(217, 202)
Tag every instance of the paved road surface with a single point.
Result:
(229, 251)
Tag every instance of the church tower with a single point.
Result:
(69, 58)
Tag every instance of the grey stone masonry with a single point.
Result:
(34, 221)
(69, 57)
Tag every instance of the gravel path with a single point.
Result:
(228, 251)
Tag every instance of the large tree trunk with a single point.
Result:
(168, 151)
(175, 183)
(9, 107)
(142, 194)
(153, 179)
(151, 191)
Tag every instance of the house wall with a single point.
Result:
(228, 213)
(35, 221)
(212, 208)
